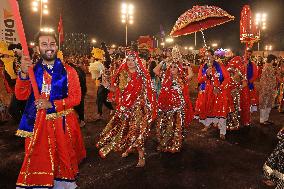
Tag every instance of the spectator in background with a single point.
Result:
(13, 62)
(80, 109)
(280, 78)
(273, 169)
(267, 89)
(155, 79)
(4, 97)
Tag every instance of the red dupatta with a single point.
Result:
(140, 80)
(169, 97)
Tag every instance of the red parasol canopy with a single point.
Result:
(200, 18)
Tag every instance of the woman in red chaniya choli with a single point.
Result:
(55, 148)
(127, 130)
(174, 106)
(234, 68)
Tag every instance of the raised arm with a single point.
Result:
(190, 73)
(226, 76)
(23, 84)
(157, 69)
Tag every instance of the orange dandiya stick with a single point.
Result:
(20, 29)
(33, 82)
(19, 26)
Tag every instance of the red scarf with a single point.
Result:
(134, 87)
(169, 97)
(131, 92)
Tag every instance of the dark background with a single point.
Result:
(101, 20)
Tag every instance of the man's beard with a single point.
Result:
(48, 58)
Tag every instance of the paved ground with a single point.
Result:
(204, 163)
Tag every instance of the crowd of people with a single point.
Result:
(47, 93)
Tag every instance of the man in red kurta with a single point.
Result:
(248, 93)
(54, 145)
(212, 101)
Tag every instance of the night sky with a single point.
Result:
(101, 19)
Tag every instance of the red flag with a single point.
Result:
(60, 30)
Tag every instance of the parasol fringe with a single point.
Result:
(203, 36)
(194, 32)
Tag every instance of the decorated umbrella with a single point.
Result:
(200, 18)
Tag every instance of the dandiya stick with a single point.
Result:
(20, 29)
(33, 82)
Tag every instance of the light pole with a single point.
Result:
(214, 45)
(127, 17)
(260, 22)
(169, 40)
(47, 30)
(93, 41)
(268, 47)
(195, 42)
(40, 5)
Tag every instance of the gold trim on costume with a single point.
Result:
(50, 153)
(36, 173)
(31, 185)
(275, 173)
(30, 151)
(58, 114)
(22, 133)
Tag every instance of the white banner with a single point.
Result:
(8, 30)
